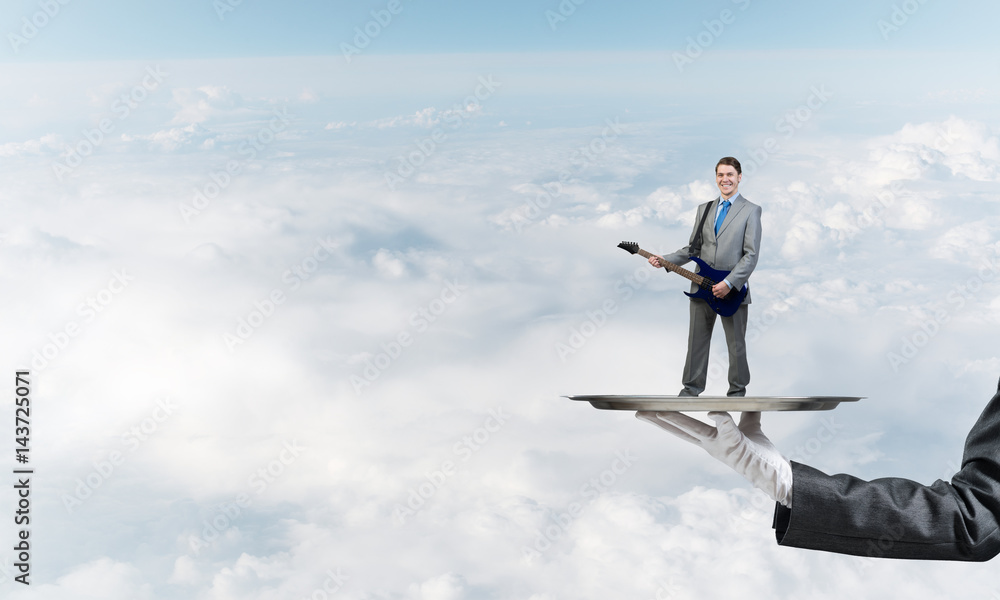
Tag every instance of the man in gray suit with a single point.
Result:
(729, 242)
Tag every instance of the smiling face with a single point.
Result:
(728, 180)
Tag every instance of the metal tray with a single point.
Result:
(710, 403)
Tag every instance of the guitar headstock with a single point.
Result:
(630, 247)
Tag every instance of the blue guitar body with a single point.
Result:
(704, 278)
(726, 306)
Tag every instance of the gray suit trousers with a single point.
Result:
(696, 367)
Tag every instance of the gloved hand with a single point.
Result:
(745, 448)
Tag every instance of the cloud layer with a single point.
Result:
(292, 378)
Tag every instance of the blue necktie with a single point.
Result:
(722, 215)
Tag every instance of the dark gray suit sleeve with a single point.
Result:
(899, 518)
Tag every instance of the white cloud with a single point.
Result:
(203, 103)
(309, 96)
(340, 125)
(443, 587)
(48, 144)
(804, 238)
(964, 148)
(102, 578)
(425, 118)
(968, 242)
(388, 265)
(833, 294)
(186, 571)
(626, 218)
(175, 138)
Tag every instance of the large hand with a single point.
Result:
(745, 448)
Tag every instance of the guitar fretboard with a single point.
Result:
(698, 279)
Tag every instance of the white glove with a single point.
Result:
(745, 448)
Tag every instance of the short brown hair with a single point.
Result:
(732, 162)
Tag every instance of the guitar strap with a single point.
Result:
(696, 244)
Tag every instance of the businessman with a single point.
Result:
(726, 235)
(890, 517)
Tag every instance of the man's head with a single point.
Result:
(727, 176)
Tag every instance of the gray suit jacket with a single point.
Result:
(899, 518)
(734, 248)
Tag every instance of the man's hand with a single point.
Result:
(655, 261)
(745, 449)
(721, 289)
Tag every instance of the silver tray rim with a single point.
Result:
(712, 403)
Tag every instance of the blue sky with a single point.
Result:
(292, 223)
(194, 28)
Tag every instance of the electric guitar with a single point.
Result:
(706, 277)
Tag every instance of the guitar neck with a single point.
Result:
(698, 279)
